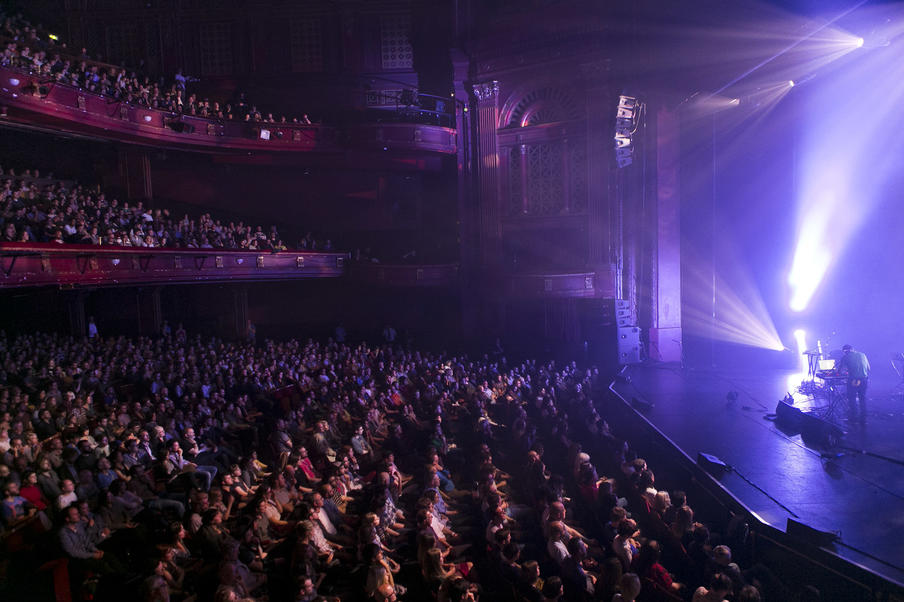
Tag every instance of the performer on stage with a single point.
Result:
(855, 366)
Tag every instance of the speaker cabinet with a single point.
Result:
(788, 417)
(808, 534)
(628, 345)
(616, 312)
(821, 433)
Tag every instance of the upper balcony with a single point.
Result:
(31, 100)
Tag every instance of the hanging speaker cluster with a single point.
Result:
(627, 116)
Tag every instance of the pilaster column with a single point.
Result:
(525, 198)
(467, 185)
(135, 174)
(487, 95)
(75, 307)
(240, 311)
(150, 313)
(665, 329)
(489, 312)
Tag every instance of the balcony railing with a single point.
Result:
(30, 99)
(421, 276)
(33, 265)
(601, 283)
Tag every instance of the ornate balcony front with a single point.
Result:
(402, 137)
(70, 266)
(30, 100)
(420, 276)
(601, 283)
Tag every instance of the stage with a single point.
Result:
(855, 489)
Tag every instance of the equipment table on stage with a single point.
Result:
(834, 391)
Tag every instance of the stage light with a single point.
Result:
(790, 83)
(758, 103)
(858, 42)
(700, 104)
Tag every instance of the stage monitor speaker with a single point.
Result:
(788, 416)
(641, 405)
(814, 429)
(809, 535)
(711, 464)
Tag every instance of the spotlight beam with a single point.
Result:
(739, 316)
(790, 47)
(795, 380)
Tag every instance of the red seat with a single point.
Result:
(60, 569)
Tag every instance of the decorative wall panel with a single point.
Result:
(216, 49)
(395, 42)
(306, 45)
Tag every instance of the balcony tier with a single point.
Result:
(34, 265)
(27, 99)
(601, 283)
(421, 276)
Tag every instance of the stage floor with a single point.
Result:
(859, 495)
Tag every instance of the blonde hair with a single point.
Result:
(629, 586)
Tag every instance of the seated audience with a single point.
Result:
(32, 49)
(167, 461)
(53, 211)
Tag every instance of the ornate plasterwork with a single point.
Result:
(548, 104)
(486, 90)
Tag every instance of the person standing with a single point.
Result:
(855, 365)
(92, 328)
